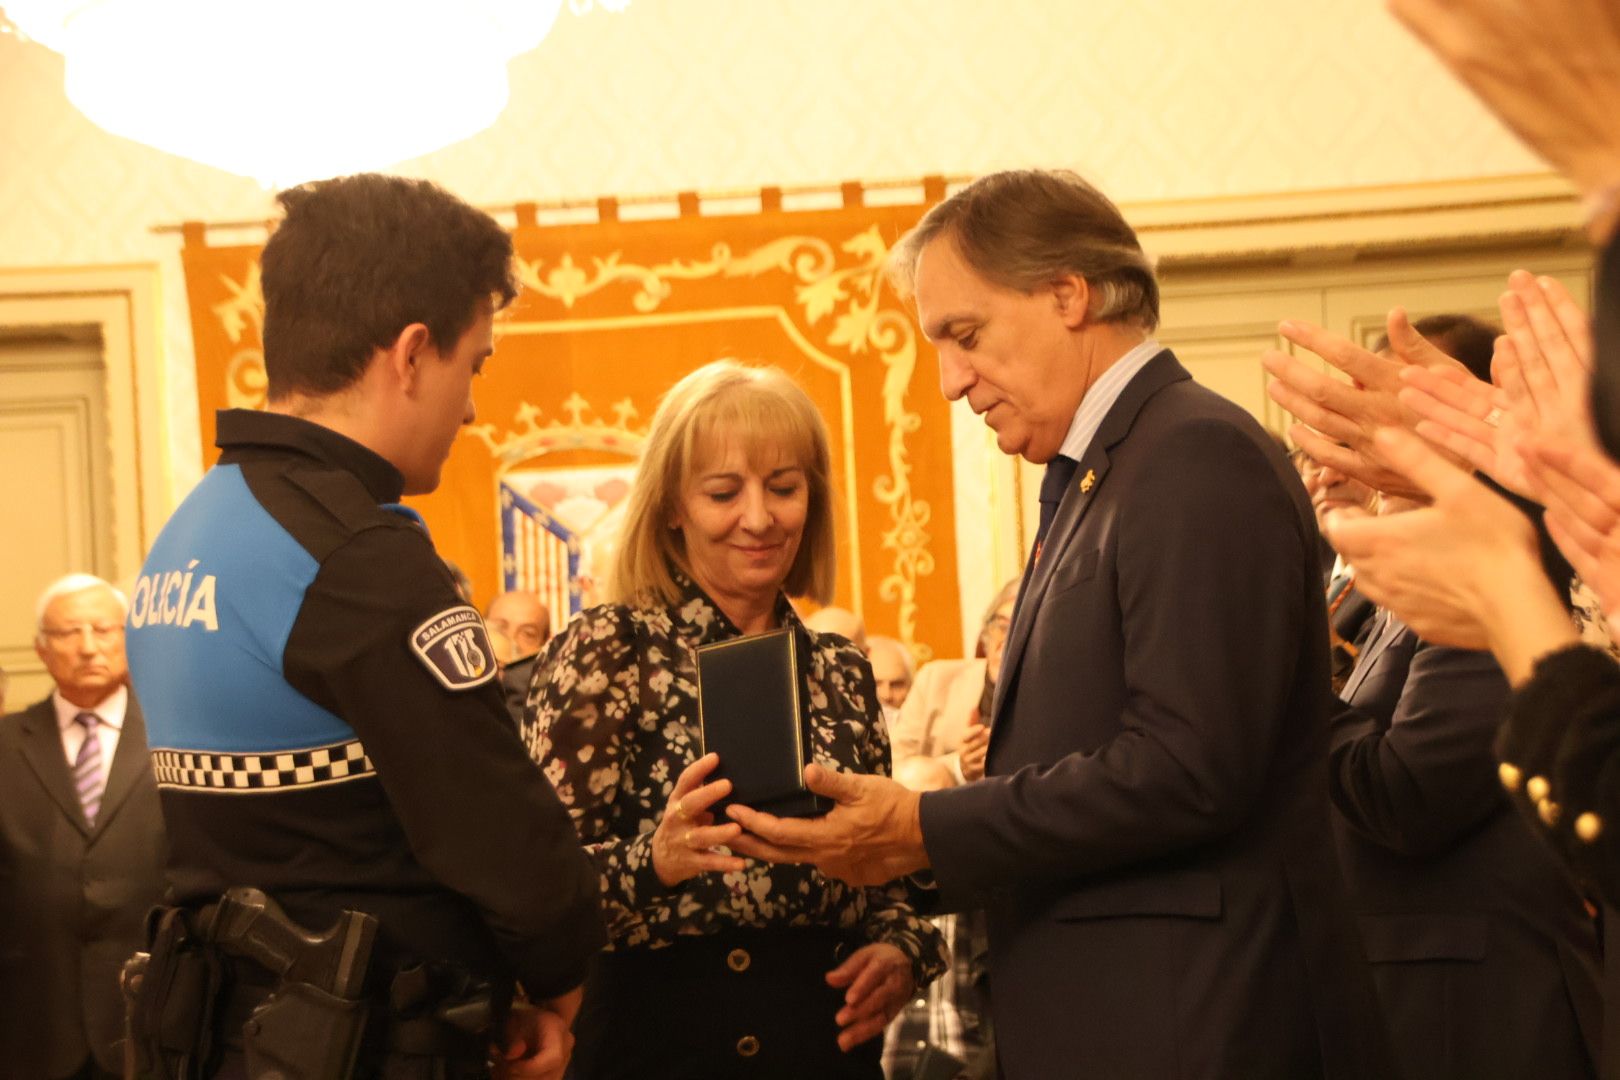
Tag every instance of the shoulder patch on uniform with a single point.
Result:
(455, 647)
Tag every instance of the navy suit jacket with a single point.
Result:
(1481, 948)
(1153, 842)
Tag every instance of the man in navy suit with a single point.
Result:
(1152, 839)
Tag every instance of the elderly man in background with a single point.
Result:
(81, 843)
(840, 621)
(523, 619)
(892, 672)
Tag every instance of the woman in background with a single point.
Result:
(947, 715)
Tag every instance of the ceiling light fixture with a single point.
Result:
(294, 90)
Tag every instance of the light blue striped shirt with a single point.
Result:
(1101, 397)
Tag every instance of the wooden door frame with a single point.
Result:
(122, 303)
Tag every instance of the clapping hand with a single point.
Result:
(1463, 571)
(975, 744)
(1542, 370)
(1549, 70)
(1580, 487)
(1340, 419)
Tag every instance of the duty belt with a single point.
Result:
(239, 975)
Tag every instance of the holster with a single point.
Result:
(241, 974)
(436, 1012)
(300, 1032)
(186, 1004)
(171, 1006)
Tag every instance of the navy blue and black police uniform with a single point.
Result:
(326, 723)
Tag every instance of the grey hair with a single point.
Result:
(67, 586)
(1003, 594)
(1024, 228)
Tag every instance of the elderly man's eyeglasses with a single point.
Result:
(101, 633)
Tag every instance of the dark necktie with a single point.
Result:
(89, 778)
(1059, 474)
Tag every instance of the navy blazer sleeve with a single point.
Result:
(1417, 784)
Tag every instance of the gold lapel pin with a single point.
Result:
(1087, 480)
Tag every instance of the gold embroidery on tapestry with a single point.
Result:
(852, 293)
(529, 438)
(245, 379)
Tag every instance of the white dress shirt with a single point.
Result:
(110, 711)
(1101, 395)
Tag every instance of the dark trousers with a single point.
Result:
(733, 1006)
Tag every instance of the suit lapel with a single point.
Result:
(130, 760)
(1388, 630)
(1038, 574)
(1159, 372)
(42, 747)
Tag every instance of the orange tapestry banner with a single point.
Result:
(610, 315)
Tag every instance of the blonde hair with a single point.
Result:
(765, 411)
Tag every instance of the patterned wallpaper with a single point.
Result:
(1151, 98)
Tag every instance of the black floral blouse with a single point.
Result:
(614, 759)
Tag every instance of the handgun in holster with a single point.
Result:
(308, 1027)
(311, 1025)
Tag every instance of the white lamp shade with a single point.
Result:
(293, 90)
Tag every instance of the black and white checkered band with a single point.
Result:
(259, 773)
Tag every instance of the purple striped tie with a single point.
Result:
(88, 777)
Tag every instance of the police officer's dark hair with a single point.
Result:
(1023, 228)
(1468, 340)
(359, 258)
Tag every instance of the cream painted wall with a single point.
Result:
(1153, 99)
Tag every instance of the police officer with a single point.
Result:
(324, 709)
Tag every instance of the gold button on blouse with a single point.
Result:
(1588, 827)
(1538, 788)
(1510, 775)
(738, 960)
(747, 1046)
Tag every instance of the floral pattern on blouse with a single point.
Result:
(1587, 611)
(614, 759)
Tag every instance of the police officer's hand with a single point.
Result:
(539, 1043)
(684, 842)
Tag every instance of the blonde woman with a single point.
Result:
(717, 965)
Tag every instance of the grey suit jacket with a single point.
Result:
(1153, 841)
(72, 897)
